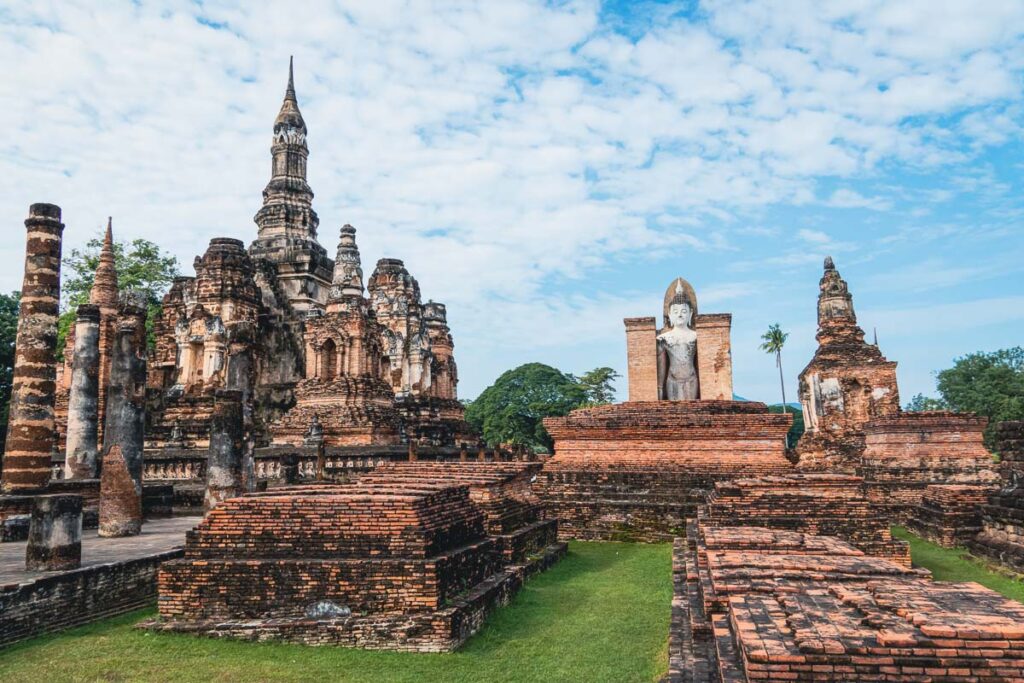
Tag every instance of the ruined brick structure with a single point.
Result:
(1002, 516)
(757, 604)
(637, 470)
(31, 432)
(104, 295)
(404, 565)
(294, 331)
(846, 384)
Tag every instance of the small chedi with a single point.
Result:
(638, 469)
(854, 423)
(408, 558)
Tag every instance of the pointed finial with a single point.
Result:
(108, 238)
(829, 265)
(291, 78)
(104, 287)
(876, 336)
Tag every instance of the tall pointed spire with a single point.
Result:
(348, 270)
(289, 119)
(290, 92)
(104, 286)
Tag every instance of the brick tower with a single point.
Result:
(287, 222)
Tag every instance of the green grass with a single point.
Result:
(956, 564)
(601, 614)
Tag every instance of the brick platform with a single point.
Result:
(1002, 535)
(759, 604)
(819, 504)
(402, 566)
(949, 515)
(638, 470)
(906, 454)
(513, 515)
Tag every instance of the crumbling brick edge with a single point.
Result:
(78, 597)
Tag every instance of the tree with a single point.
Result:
(797, 430)
(510, 410)
(989, 384)
(140, 265)
(599, 385)
(773, 341)
(8, 332)
(921, 403)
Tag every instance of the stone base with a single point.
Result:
(443, 630)
(636, 471)
(949, 515)
(1002, 535)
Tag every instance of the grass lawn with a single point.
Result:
(956, 564)
(601, 614)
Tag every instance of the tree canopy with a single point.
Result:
(141, 265)
(510, 410)
(8, 333)
(989, 384)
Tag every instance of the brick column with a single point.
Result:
(642, 358)
(31, 431)
(54, 533)
(126, 393)
(83, 403)
(227, 447)
(120, 495)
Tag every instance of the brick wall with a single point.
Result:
(642, 358)
(78, 597)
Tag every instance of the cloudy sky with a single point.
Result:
(546, 169)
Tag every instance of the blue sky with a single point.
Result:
(546, 169)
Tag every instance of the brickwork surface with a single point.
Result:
(906, 454)
(636, 471)
(755, 604)
(117, 575)
(401, 563)
(818, 504)
(1002, 517)
(949, 515)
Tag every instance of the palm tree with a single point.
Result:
(774, 340)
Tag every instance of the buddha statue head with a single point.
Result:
(680, 305)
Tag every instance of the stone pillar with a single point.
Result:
(227, 446)
(54, 533)
(83, 403)
(321, 461)
(642, 359)
(120, 495)
(31, 432)
(126, 394)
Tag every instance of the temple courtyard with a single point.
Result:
(602, 614)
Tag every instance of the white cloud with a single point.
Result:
(497, 147)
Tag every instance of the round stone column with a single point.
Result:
(54, 533)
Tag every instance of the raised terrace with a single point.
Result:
(819, 504)
(513, 515)
(388, 565)
(638, 470)
(759, 604)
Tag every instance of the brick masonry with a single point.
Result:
(1002, 516)
(638, 470)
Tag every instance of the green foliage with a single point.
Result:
(956, 564)
(8, 333)
(922, 403)
(510, 410)
(774, 339)
(989, 384)
(797, 430)
(140, 265)
(601, 615)
(599, 385)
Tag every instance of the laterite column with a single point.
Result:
(83, 403)
(31, 431)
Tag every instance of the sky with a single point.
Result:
(548, 168)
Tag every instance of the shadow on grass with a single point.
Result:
(601, 614)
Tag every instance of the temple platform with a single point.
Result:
(398, 565)
(638, 470)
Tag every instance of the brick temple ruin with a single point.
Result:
(313, 420)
